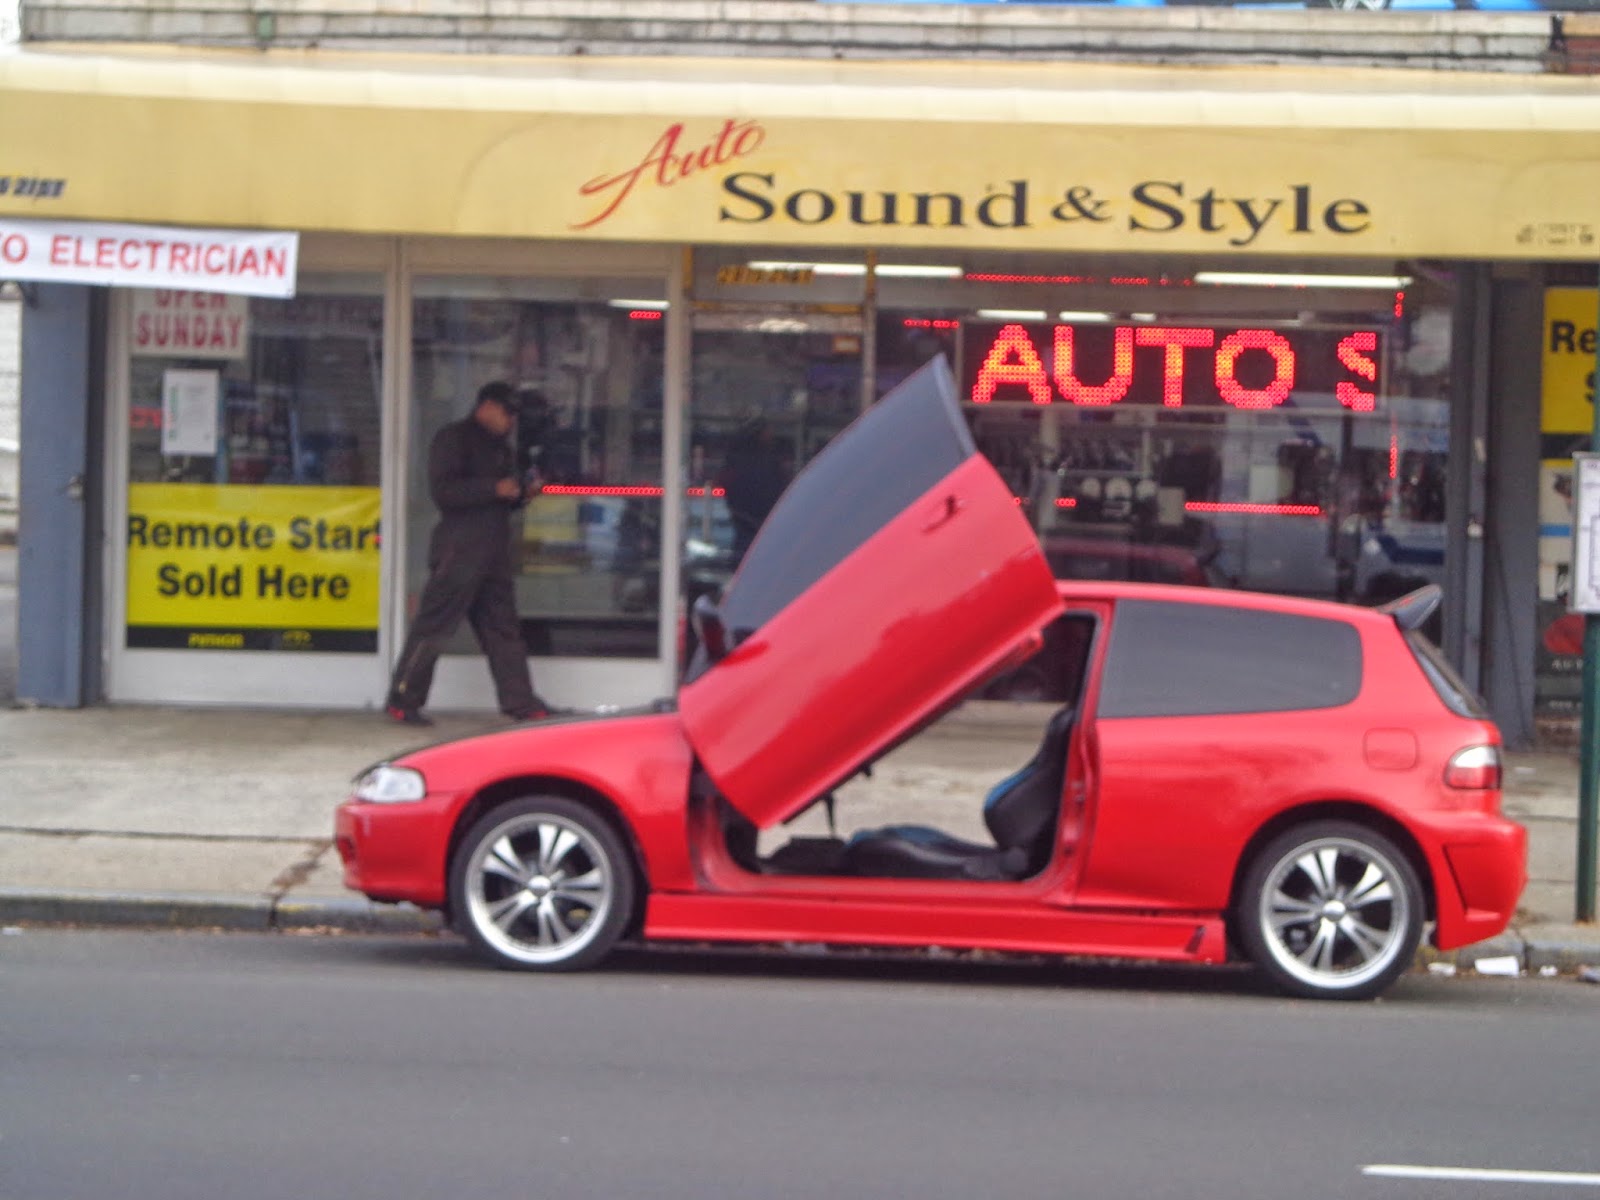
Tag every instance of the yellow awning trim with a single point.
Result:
(1073, 157)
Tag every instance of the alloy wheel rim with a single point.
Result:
(1334, 913)
(540, 888)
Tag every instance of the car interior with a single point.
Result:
(1021, 812)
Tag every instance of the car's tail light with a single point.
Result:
(1476, 768)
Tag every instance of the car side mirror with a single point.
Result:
(708, 629)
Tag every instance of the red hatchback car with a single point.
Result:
(1304, 784)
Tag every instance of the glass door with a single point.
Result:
(585, 357)
(776, 371)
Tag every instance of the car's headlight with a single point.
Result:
(385, 784)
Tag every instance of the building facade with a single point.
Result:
(1306, 329)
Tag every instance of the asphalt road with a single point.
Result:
(170, 1066)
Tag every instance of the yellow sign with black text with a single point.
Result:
(253, 567)
(1568, 360)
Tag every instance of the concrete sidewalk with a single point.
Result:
(223, 818)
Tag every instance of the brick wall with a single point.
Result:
(1576, 48)
(1512, 42)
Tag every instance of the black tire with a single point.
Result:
(542, 884)
(1330, 910)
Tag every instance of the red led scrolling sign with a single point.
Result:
(1174, 366)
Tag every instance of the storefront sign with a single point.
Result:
(1119, 160)
(252, 568)
(176, 324)
(1173, 366)
(1568, 360)
(737, 276)
(217, 260)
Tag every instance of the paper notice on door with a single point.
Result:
(1585, 577)
(189, 412)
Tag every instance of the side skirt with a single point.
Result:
(1026, 930)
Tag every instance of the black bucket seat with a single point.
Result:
(1021, 813)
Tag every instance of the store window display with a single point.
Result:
(1288, 438)
(253, 469)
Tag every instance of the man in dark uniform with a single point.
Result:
(752, 479)
(473, 479)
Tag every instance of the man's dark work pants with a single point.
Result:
(462, 585)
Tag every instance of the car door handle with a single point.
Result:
(952, 505)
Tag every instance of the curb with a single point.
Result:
(192, 910)
(1548, 950)
(1545, 951)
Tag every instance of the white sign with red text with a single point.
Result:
(211, 260)
(176, 324)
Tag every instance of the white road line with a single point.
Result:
(1481, 1175)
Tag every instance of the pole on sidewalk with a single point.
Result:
(1588, 786)
(1588, 797)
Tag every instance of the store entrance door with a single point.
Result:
(585, 359)
(770, 388)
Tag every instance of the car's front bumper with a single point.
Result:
(394, 852)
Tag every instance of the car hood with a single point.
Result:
(895, 572)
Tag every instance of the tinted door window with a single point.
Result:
(896, 452)
(1172, 660)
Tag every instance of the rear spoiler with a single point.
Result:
(1414, 608)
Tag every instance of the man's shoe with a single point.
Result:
(406, 716)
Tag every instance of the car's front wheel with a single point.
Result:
(1330, 909)
(542, 884)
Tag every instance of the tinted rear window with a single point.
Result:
(1453, 690)
(1176, 660)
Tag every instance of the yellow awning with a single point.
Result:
(1069, 157)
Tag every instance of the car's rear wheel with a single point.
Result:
(1330, 909)
(542, 884)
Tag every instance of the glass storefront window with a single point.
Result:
(253, 468)
(1566, 424)
(1289, 438)
(586, 357)
(776, 373)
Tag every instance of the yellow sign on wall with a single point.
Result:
(252, 567)
(1568, 360)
